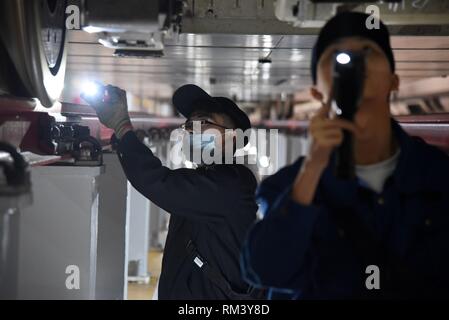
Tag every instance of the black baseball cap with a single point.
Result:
(350, 24)
(190, 97)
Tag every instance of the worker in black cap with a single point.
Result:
(211, 207)
(383, 233)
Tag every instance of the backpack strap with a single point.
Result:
(215, 276)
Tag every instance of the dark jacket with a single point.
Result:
(211, 206)
(321, 251)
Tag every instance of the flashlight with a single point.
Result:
(94, 91)
(347, 91)
(90, 89)
(343, 58)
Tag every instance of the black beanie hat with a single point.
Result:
(350, 24)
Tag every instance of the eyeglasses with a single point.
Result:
(188, 125)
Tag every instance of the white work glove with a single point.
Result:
(111, 107)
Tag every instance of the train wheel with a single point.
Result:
(33, 35)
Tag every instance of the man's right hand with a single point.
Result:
(326, 134)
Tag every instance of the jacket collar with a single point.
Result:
(410, 175)
(407, 176)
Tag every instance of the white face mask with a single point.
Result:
(194, 145)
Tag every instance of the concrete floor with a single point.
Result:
(138, 291)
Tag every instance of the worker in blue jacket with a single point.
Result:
(211, 206)
(383, 234)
